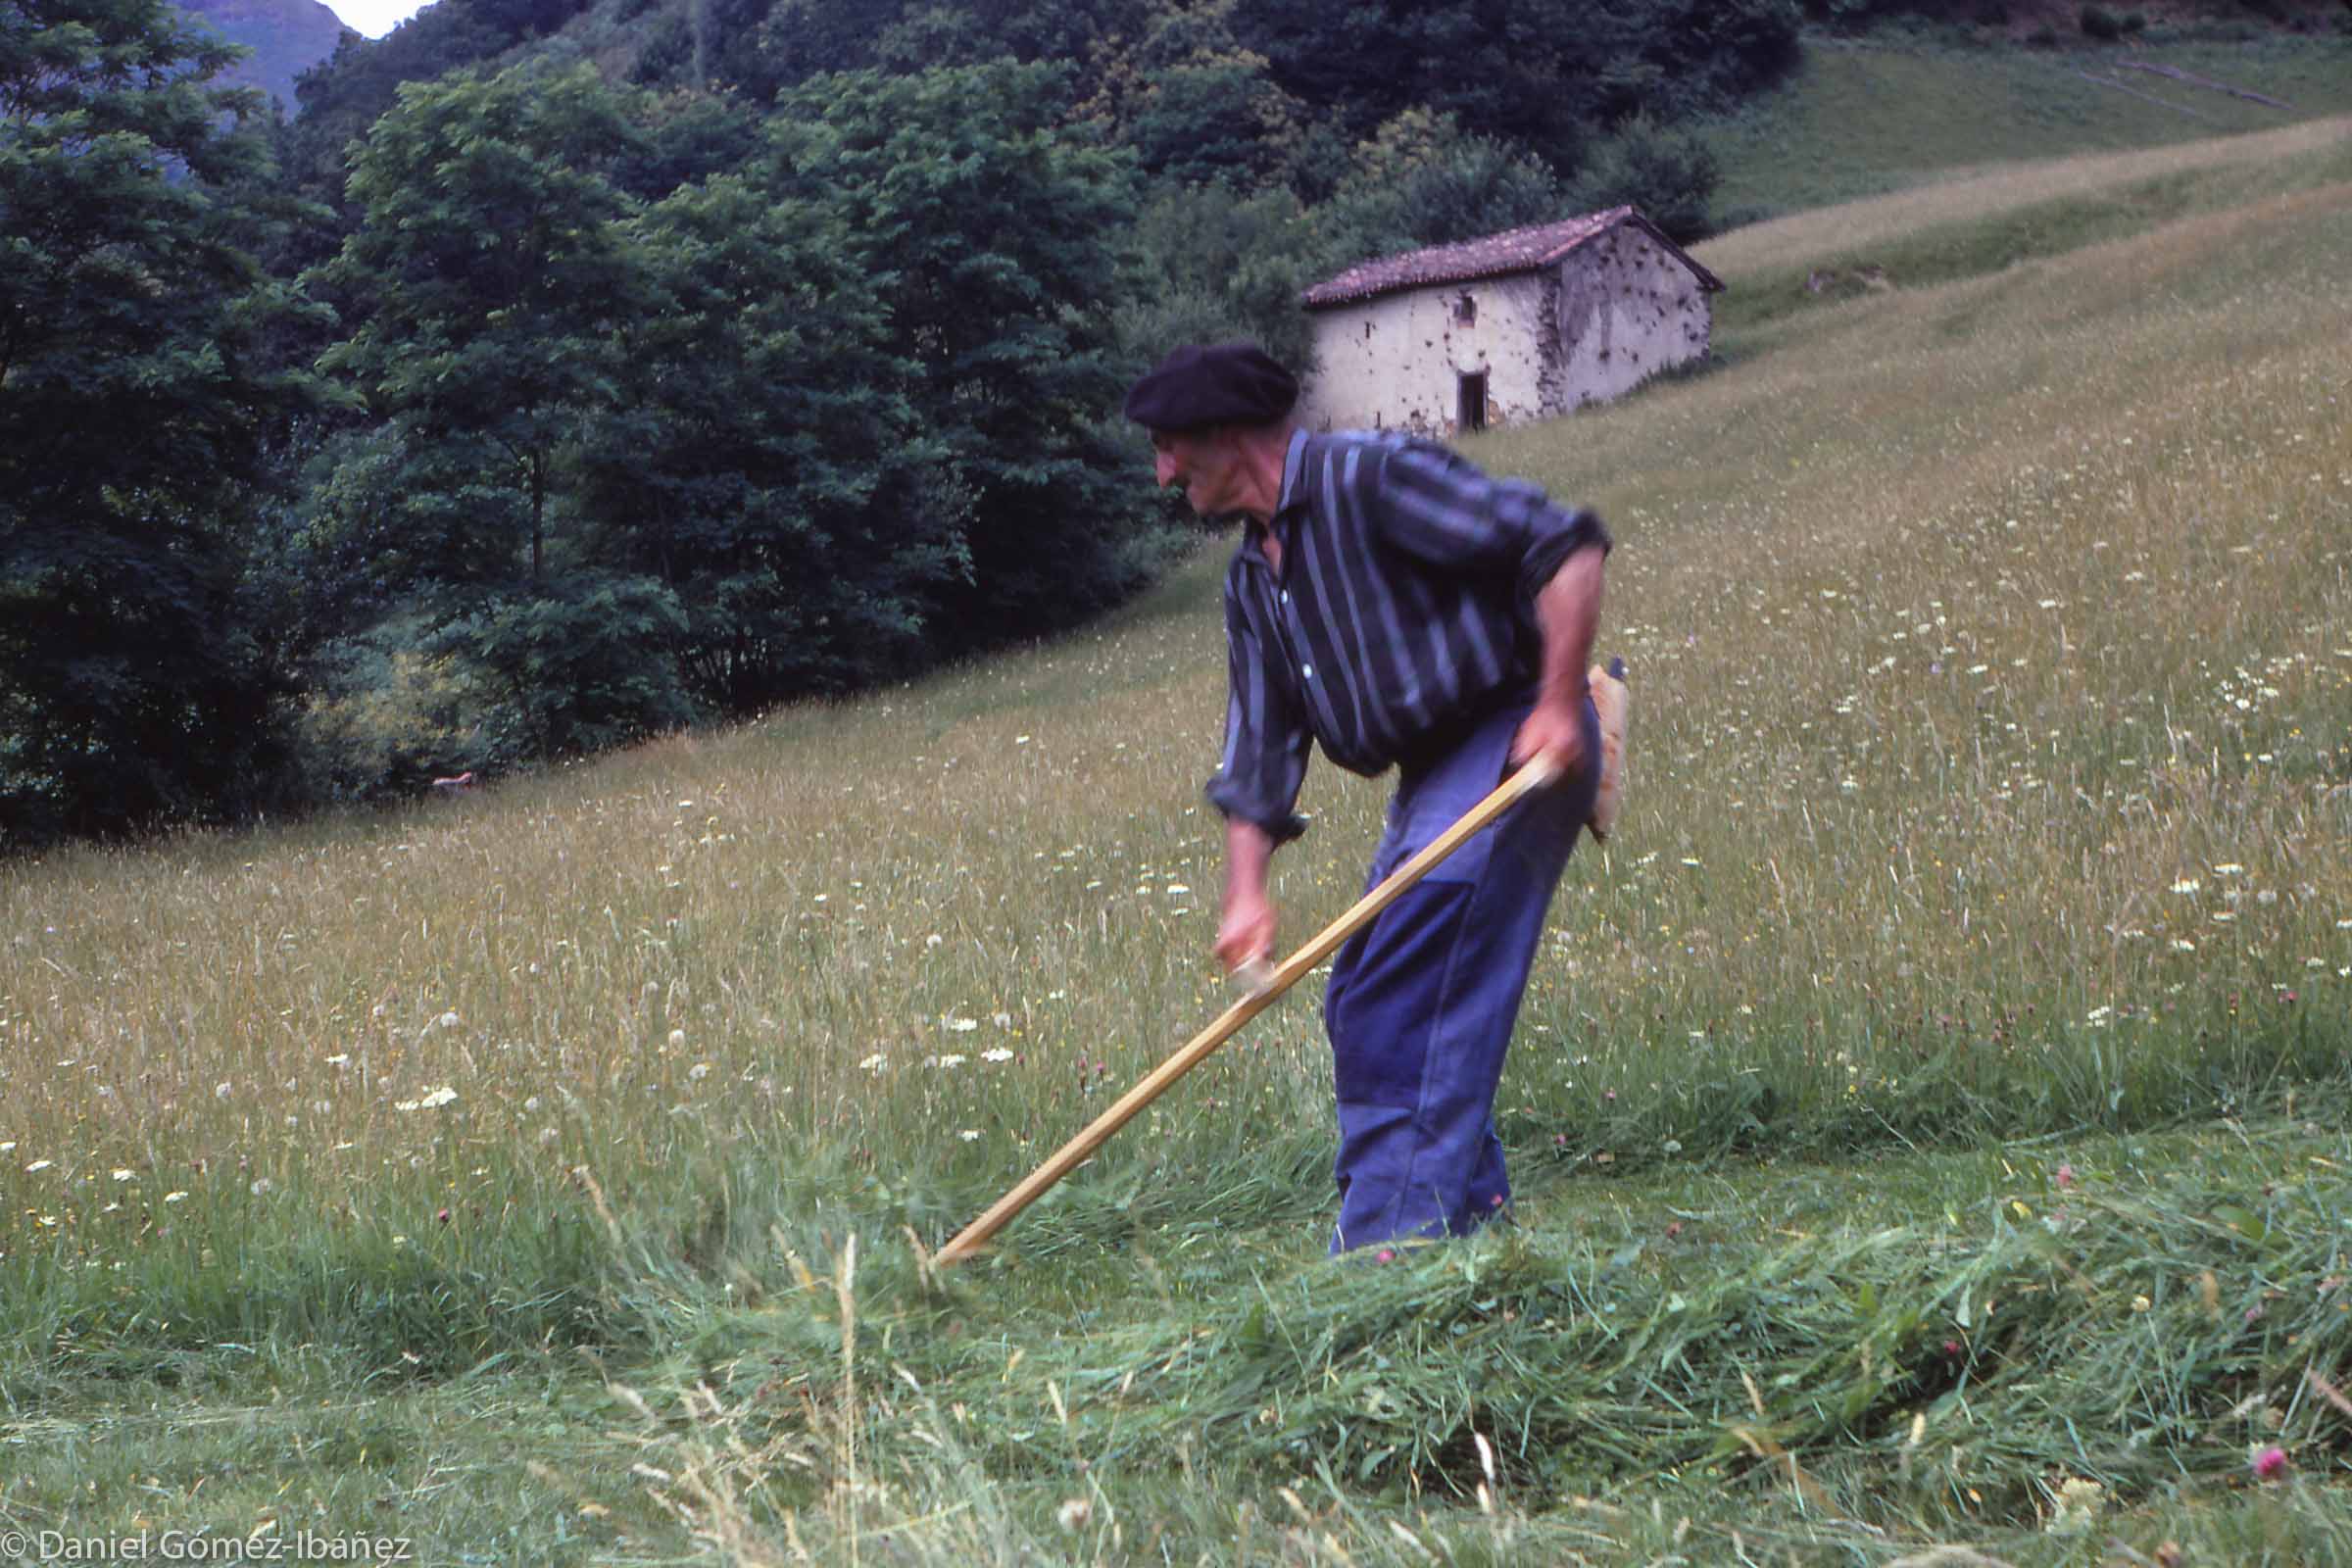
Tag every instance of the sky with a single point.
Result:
(374, 17)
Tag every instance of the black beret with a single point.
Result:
(1226, 383)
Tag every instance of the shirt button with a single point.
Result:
(1309, 670)
(1286, 596)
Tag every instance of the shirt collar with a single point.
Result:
(1294, 464)
(1293, 468)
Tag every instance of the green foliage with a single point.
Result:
(762, 463)
(493, 682)
(1498, 71)
(1423, 180)
(494, 277)
(1000, 235)
(381, 715)
(497, 277)
(1669, 172)
(1195, 104)
(584, 667)
(1212, 266)
(137, 671)
(344, 95)
(771, 434)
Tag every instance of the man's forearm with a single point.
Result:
(1568, 612)
(1249, 851)
(1246, 936)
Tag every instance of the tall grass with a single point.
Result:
(1993, 781)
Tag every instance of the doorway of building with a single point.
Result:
(1470, 410)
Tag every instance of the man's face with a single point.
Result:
(1205, 465)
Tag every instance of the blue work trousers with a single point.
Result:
(1422, 1002)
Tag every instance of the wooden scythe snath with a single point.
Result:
(1273, 984)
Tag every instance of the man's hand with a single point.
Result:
(1246, 935)
(1248, 931)
(1553, 729)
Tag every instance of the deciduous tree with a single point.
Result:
(995, 235)
(138, 677)
(764, 464)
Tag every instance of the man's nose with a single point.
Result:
(1163, 464)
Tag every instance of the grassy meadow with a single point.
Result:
(1929, 1114)
(1893, 111)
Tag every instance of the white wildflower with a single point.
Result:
(996, 1054)
(2078, 1509)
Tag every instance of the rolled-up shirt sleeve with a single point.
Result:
(1438, 506)
(1264, 760)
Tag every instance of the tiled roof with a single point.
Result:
(1514, 250)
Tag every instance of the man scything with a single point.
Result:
(1397, 607)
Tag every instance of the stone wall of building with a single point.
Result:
(1618, 308)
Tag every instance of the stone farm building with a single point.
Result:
(1519, 325)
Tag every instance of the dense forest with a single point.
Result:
(568, 371)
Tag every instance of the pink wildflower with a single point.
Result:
(2066, 1177)
(2270, 1464)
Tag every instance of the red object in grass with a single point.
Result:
(2270, 1464)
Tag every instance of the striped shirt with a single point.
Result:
(1404, 613)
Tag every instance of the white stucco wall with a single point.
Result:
(1397, 362)
(1616, 310)
(1627, 310)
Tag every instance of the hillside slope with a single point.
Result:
(286, 36)
(1863, 116)
(1928, 1118)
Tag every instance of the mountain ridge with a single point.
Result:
(287, 37)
